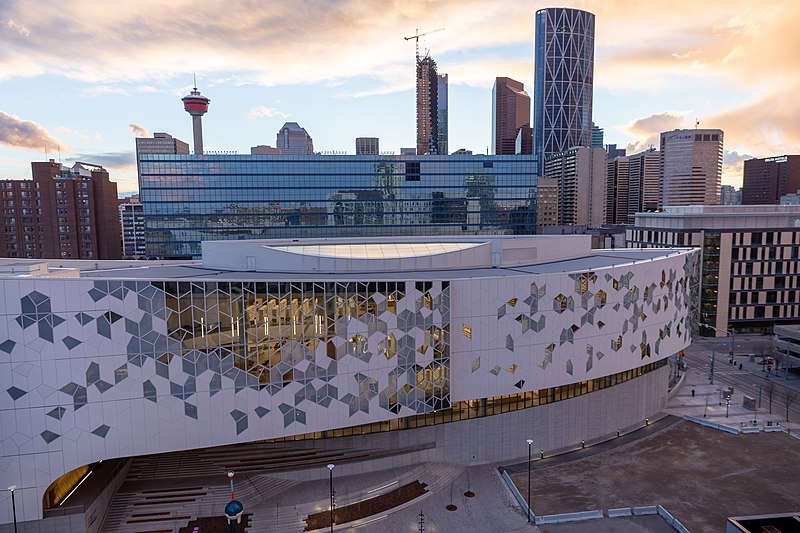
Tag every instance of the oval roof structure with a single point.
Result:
(377, 250)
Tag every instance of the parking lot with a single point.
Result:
(702, 476)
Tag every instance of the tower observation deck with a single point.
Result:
(196, 105)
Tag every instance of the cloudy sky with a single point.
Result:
(90, 75)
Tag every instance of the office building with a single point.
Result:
(691, 167)
(375, 352)
(367, 146)
(729, 195)
(161, 143)
(617, 177)
(546, 203)
(581, 176)
(597, 136)
(263, 149)
(511, 111)
(750, 269)
(256, 197)
(131, 222)
(613, 151)
(64, 212)
(766, 179)
(294, 140)
(563, 80)
(441, 111)
(427, 106)
(632, 186)
(524, 142)
(644, 182)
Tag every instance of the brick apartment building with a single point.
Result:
(63, 212)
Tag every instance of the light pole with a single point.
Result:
(530, 443)
(330, 470)
(11, 489)
(713, 357)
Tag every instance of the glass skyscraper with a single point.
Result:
(189, 198)
(563, 80)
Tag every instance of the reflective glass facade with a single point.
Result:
(191, 198)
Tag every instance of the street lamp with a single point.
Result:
(730, 334)
(11, 489)
(330, 470)
(530, 443)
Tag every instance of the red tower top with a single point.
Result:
(195, 103)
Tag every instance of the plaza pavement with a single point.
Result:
(492, 508)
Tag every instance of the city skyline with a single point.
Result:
(91, 84)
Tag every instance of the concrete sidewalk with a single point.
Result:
(709, 404)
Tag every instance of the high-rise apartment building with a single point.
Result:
(511, 111)
(367, 146)
(131, 222)
(64, 212)
(767, 179)
(691, 167)
(546, 203)
(441, 113)
(563, 80)
(427, 107)
(581, 176)
(294, 140)
(632, 186)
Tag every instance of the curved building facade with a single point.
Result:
(282, 339)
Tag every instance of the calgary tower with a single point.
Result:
(196, 105)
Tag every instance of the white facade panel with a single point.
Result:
(101, 367)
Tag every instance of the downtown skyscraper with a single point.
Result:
(511, 111)
(563, 80)
(427, 106)
(691, 167)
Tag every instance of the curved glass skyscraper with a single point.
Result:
(564, 74)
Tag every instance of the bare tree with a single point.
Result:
(779, 360)
(769, 390)
(789, 396)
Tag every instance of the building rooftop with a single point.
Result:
(421, 258)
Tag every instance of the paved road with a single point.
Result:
(747, 380)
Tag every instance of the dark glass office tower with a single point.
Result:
(563, 78)
(188, 199)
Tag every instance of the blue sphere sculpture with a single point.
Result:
(234, 509)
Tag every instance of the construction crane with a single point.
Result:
(417, 35)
